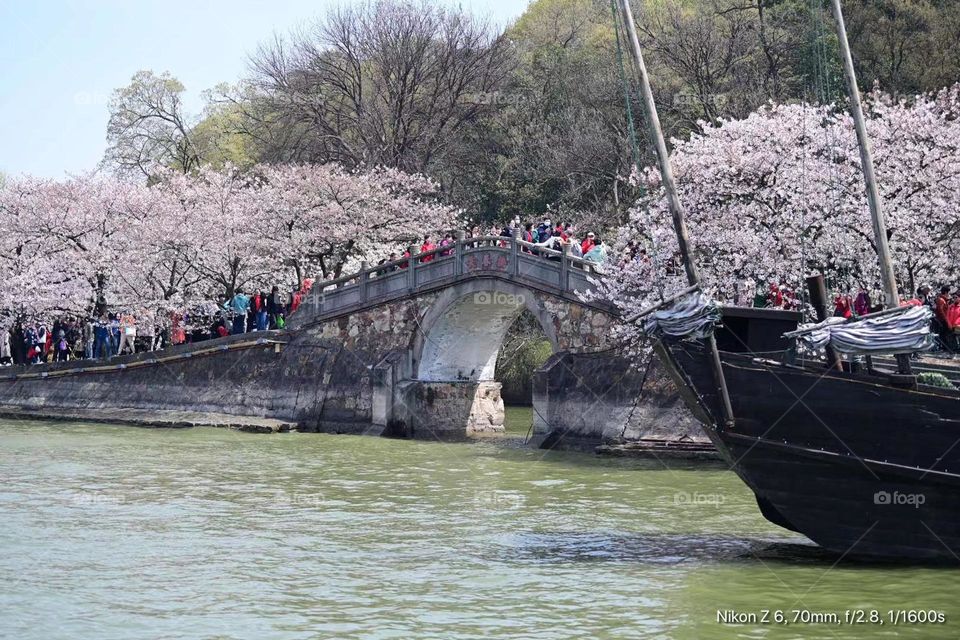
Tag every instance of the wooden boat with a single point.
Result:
(866, 464)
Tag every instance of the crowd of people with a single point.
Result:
(544, 235)
(107, 334)
(946, 314)
(110, 334)
(558, 237)
(945, 306)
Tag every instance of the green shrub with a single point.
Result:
(934, 379)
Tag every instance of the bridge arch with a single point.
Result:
(460, 336)
(430, 329)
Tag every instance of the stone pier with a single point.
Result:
(447, 410)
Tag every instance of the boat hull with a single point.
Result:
(862, 468)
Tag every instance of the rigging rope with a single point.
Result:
(825, 94)
(635, 148)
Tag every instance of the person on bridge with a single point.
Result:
(88, 338)
(239, 305)
(597, 253)
(6, 355)
(508, 231)
(427, 245)
(101, 332)
(388, 269)
(296, 298)
(544, 231)
(178, 334)
(61, 348)
(527, 235)
(113, 334)
(588, 243)
(447, 245)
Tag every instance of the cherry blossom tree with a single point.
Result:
(779, 195)
(188, 239)
(59, 243)
(220, 230)
(322, 217)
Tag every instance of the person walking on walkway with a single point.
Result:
(61, 347)
(6, 355)
(260, 306)
(101, 343)
(275, 308)
(88, 338)
(147, 330)
(239, 305)
(113, 335)
(128, 332)
(18, 348)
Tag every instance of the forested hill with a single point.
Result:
(516, 120)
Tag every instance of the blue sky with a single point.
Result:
(61, 60)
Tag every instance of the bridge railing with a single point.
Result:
(501, 256)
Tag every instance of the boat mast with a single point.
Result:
(889, 279)
(663, 156)
(673, 200)
(887, 275)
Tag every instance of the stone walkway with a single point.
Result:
(165, 419)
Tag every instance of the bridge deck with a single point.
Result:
(496, 257)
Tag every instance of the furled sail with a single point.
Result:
(904, 332)
(692, 316)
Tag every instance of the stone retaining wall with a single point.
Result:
(274, 379)
(359, 374)
(585, 399)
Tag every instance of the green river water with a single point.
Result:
(122, 532)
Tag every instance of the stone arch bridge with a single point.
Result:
(405, 348)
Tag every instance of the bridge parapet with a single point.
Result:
(556, 272)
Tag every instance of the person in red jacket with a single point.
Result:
(941, 320)
(427, 245)
(587, 243)
(953, 314)
(842, 307)
(940, 306)
(774, 296)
